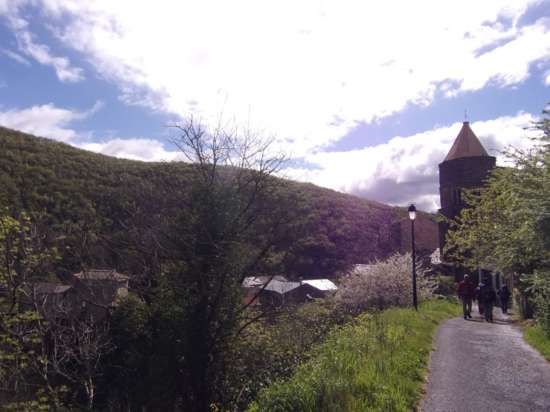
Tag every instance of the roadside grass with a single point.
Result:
(534, 335)
(376, 363)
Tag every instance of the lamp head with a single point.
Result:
(412, 212)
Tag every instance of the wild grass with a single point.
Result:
(377, 363)
(535, 336)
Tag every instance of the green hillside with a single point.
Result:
(98, 208)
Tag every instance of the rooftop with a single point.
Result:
(321, 284)
(466, 144)
(101, 274)
(258, 281)
(281, 287)
(50, 288)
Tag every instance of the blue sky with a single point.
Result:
(367, 97)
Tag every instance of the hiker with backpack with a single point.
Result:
(487, 298)
(504, 296)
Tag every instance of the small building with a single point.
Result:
(51, 300)
(252, 286)
(103, 287)
(93, 292)
(278, 291)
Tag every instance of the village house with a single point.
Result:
(92, 291)
(278, 291)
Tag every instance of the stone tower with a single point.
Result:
(466, 166)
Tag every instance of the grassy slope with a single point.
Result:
(536, 338)
(376, 364)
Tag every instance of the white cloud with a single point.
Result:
(135, 149)
(65, 71)
(15, 56)
(41, 53)
(46, 120)
(293, 68)
(405, 169)
(55, 123)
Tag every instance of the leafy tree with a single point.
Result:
(25, 373)
(506, 225)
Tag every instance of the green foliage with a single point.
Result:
(536, 337)
(538, 285)
(376, 363)
(506, 225)
(272, 348)
(446, 286)
(24, 377)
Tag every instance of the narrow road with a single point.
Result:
(479, 366)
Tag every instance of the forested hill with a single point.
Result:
(97, 210)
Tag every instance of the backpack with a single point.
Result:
(486, 294)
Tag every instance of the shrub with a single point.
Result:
(539, 287)
(271, 349)
(376, 363)
(382, 284)
(446, 286)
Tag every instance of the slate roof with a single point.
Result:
(259, 281)
(466, 144)
(50, 288)
(321, 284)
(101, 274)
(281, 287)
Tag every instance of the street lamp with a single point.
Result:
(412, 216)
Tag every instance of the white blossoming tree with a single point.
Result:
(383, 284)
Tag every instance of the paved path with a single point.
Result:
(479, 366)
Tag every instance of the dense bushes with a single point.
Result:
(373, 364)
(539, 288)
(270, 349)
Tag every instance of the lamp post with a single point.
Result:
(412, 216)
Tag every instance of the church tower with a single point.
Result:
(466, 166)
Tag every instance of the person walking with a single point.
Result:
(466, 292)
(476, 294)
(487, 298)
(504, 297)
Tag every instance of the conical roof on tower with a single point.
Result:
(466, 145)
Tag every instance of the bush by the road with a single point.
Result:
(376, 363)
(537, 338)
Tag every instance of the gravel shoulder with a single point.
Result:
(480, 366)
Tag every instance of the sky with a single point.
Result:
(366, 97)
